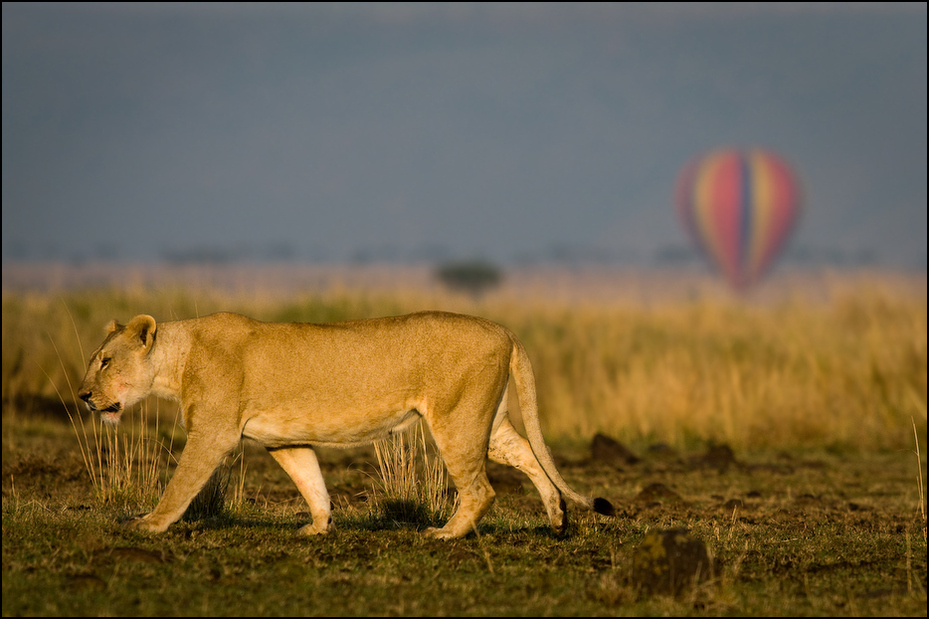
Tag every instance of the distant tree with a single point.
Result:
(473, 277)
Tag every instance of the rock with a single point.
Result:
(606, 450)
(670, 561)
(719, 457)
(657, 493)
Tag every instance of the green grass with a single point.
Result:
(799, 534)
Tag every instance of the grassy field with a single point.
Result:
(782, 431)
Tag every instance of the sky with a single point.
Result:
(341, 132)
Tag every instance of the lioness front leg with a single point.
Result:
(200, 458)
(302, 465)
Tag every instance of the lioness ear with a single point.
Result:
(142, 330)
(112, 326)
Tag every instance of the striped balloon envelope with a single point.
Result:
(739, 206)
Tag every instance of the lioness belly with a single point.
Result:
(334, 429)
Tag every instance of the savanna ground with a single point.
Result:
(786, 432)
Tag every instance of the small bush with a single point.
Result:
(473, 277)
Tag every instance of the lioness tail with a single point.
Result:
(521, 368)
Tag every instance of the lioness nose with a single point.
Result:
(85, 395)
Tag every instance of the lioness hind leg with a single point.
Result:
(466, 465)
(303, 467)
(475, 498)
(508, 447)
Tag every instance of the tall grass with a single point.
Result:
(844, 368)
(413, 482)
(850, 373)
(919, 481)
(126, 464)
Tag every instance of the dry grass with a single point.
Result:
(850, 373)
(840, 362)
(412, 483)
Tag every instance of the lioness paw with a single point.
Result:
(142, 523)
(442, 533)
(312, 529)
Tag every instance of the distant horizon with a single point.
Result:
(666, 256)
(15, 272)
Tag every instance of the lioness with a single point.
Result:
(292, 386)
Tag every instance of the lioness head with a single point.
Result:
(120, 372)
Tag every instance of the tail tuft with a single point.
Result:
(602, 506)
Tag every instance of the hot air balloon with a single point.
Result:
(739, 206)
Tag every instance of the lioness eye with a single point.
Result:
(104, 362)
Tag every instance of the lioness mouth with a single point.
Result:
(111, 413)
(112, 408)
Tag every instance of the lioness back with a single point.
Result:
(385, 350)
